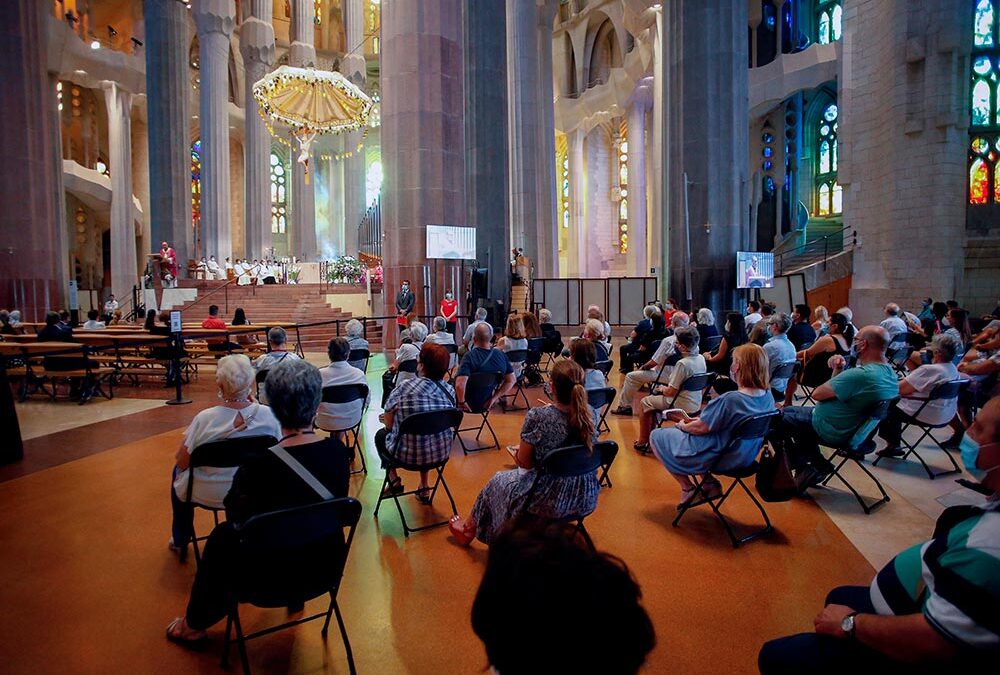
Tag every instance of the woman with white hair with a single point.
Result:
(356, 339)
(409, 351)
(442, 335)
(239, 415)
(706, 325)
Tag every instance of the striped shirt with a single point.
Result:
(953, 579)
(418, 395)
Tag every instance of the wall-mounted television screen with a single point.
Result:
(754, 269)
(451, 242)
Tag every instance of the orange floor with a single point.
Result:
(88, 585)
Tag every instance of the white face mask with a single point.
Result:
(405, 288)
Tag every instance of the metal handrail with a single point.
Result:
(820, 248)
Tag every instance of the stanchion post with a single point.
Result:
(175, 333)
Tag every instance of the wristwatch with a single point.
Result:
(847, 625)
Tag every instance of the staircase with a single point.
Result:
(293, 303)
(519, 298)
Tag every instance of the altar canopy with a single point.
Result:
(311, 101)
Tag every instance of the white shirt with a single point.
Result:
(110, 306)
(211, 485)
(894, 326)
(665, 349)
(443, 337)
(268, 361)
(91, 324)
(751, 319)
(407, 352)
(332, 416)
(467, 337)
(923, 379)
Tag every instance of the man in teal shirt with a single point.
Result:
(841, 404)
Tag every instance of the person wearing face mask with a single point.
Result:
(405, 300)
(449, 310)
(933, 608)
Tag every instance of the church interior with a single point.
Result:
(513, 335)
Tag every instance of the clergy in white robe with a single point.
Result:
(214, 271)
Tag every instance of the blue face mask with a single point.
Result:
(970, 453)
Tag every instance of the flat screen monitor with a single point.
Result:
(754, 269)
(451, 242)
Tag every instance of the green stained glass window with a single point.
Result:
(279, 194)
(829, 19)
(984, 25)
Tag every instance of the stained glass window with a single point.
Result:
(623, 190)
(565, 192)
(195, 182)
(829, 21)
(279, 194)
(829, 195)
(984, 106)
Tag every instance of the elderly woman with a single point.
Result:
(409, 351)
(443, 336)
(695, 445)
(706, 325)
(265, 483)
(239, 415)
(593, 330)
(355, 338)
(567, 421)
(423, 393)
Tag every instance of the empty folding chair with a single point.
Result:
(286, 558)
(748, 436)
(420, 424)
(479, 389)
(517, 357)
(850, 452)
(567, 462)
(945, 391)
(452, 350)
(608, 451)
(601, 400)
(897, 354)
(605, 367)
(341, 412)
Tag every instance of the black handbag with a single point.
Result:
(775, 482)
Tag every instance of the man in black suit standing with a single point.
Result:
(405, 300)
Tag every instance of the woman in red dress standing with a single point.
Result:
(449, 310)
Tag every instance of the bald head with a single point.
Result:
(875, 339)
(482, 334)
(892, 309)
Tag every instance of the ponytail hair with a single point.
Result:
(567, 383)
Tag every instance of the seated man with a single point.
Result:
(840, 406)
(479, 317)
(651, 369)
(779, 350)
(690, 363)
(932, 609)
(340, 372)
(92, 322)
(483, 358)
(801, 333)
(915, 388)
(277, 341)
(893, 323)
(55, 330)
(627, 350)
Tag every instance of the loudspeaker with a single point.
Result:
(496, 314)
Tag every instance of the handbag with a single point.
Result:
(775, 482)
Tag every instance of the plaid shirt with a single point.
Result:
(418, 395)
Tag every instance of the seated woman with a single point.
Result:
(514, 340)
(532, 329)
(816, 369)
(694, 446)
(409, 351)
(705, 322)
(265, 483)
(240, 319)
(423, 393)
(958, 327)
(822, 323)
(441, 336)
(553, 338)
(355, 338)
(734, 334)
(238, 416)
(568, 421)
(583, 353)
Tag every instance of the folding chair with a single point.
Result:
(601, 399)
(784, 371)
(605, 367)
(420, 424)
(361, 356)
(553, 349)
(712, 342)
(532, 365)
(516, 356)
(608, 450)
(341, 395)
(285, 558)
(943, 392)
(479, 389)
(748, 434)
(697, 382)
(389, 379)
(259, 379)
(898, 353)
(452, 350)
(228, 453)
(856, 453)
(567, 462)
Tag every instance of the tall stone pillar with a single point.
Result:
(707, 97)
(657, 235)
(578, 201)
(485, 52)
(423, 147)
(547, 264)
(637, 194)
(257, 47)
(168, 116)
(302, 53)
(215, 20)
(355, 178)
(124, 272)
(32, 269)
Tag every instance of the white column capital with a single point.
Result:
(257, 41)
(214, 16)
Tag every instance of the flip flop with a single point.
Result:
(189, 642)
(423, 495)
(393, 487)
(458, 531)
(641, 447)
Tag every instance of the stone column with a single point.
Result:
(706, 81)
(547, 264)
(257, 47)
(658, 241)
(302, 53)
(578, 201)
(124, 272)
(637, 197)
(215, 20)
(423, 148)
(486, 140)
(167, 90)
(355, 178)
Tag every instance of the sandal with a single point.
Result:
(193, 638)
(423, 495)
(393, 487)
(456, 526)
(641, 447)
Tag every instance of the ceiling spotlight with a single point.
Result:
(112, 32)
(137, 42)
(94, 44)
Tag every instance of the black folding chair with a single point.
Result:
(361, 356)
(856, 453)
(568, 462)
(479, 389)
(605, 367)
(420, 424)
(390, 379)
(533, 364)
(228, 453)
(259, 379)
(288, 557)
(601, 400)
(784, 371)
(943, 392)
(553, 348)
(712, 342)
(749, 432)
(608, 450)
(897, 354)
(452, 350)
(516, 356)
(697, 382)
(342, 394)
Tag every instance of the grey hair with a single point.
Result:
(947, 344)
(338, 349)
(848, 314)
(482, 333)
(418, 331)
(781, 320)
(440, 323)
(679, 319)
(594, 328)
(705, 317)
(687, 336)
(234, 373)
(544, 316)
(294, 391)
(354, 328)
(15, 315)
(481, 314)
(649, 310)
(892, 309)
(277, 336)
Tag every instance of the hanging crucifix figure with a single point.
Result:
(305, 137)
